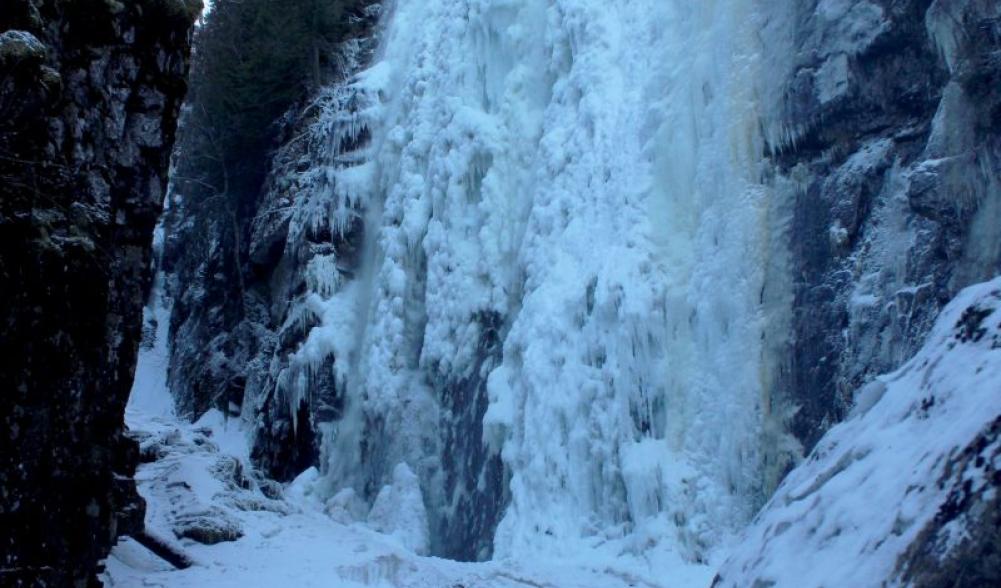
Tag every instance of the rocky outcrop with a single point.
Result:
(89, 96)
(892, 155)
(963, 540)
(240, 282)
(904, 491)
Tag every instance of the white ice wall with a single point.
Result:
(590, 171)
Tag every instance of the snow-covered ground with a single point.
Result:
(200, 483)
(294, 541)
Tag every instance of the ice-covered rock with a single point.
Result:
(207, 527)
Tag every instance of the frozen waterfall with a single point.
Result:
(573, 262)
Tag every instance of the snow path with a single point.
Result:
(200, 477)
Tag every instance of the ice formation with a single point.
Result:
(575, 279)
(582, 184)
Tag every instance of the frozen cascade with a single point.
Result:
(562, 323)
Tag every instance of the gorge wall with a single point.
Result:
(89, 97)
(597, 273)
(892, 153)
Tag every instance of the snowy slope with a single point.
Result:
(205, 500)
(916, 455)
(919, 449)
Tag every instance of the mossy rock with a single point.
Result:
(20, 47)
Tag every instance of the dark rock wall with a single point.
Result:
(290, 232)
(238, 282)
(894, 162)
(89, 96)
(473, 476)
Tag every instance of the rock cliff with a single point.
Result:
(89, 97)
(892, 157)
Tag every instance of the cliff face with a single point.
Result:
(89, 97)
(892, 159)
(238, 280)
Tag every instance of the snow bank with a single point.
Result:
(149, 395)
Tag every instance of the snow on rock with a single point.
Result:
(914, 460)
(17, 45)
(195, 490)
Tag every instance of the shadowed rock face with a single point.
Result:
(89, 96)
(896, 162)
(231, 347)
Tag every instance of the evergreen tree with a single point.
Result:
(253, 60)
